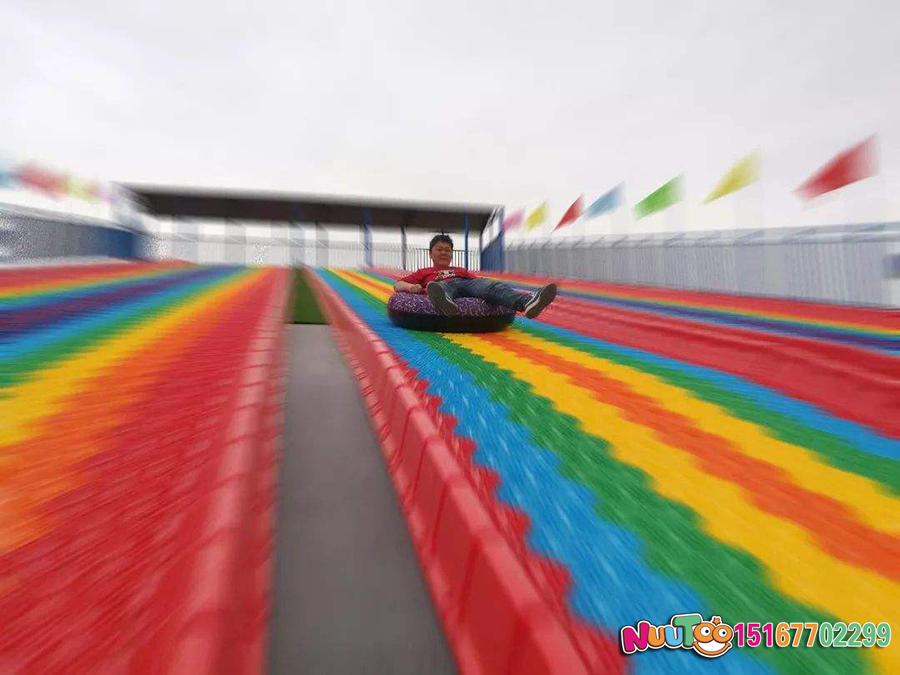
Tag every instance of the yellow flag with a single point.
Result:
(75, 187)
(536, 217)
(739, 176)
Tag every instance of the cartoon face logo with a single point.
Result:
(712, 638)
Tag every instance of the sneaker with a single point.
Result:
(439, 299)
(539, 300)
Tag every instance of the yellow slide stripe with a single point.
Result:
(26, 404)
(798, 567)
(862, 496)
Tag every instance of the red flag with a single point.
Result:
(848, 167)
(41, 179)
(572, 214)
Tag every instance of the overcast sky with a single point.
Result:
(499, 102)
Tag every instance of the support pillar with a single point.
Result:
(403, 246)
(321, 246)
(295, 233)
(501, 253)
(189, 233)
(466, 239)
(367, 237)
(480, 246)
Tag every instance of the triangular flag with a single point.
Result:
(572, 214)
(66, 184)
(40, 179)
(536, 217)
(92, 191)
(661, 198)
(513, 220)
(86, 190)
(608, 202)
(104, 192)
(742, 174)
(854, 164)
(7, 178)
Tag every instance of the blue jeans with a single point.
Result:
(492, 291)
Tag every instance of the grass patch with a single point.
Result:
(305, 307)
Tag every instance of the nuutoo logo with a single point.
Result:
(710, 639)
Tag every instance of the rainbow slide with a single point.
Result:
(633, 486)
(138, 426)
(632, 455)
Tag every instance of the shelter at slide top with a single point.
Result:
(292, 209)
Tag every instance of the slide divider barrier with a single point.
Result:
(221, 626)
(502, 606)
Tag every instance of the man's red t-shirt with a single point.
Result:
(426, 275)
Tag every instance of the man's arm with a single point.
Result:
(405, 287)
(411, 283)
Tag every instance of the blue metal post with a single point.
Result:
(481, 249)
(295, 226)
(322, 250)
(466, 239)
(367, 237)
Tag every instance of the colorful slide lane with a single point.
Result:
(847, 379)
(650, 486)
(877, 329)
(139, 418)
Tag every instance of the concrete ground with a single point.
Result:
(349, 596)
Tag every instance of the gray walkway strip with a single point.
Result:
(349, 596)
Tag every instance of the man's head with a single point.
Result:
(441, 250)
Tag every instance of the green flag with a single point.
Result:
(661, 198)
(739, 176)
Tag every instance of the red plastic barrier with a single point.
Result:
(501, 605)
(220, 626)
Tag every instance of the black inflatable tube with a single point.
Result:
(451, 324)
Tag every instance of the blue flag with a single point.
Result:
(608, 202)
(7, 178)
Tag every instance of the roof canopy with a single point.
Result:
(292, 208)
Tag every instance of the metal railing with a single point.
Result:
(289, 249)
(858, 264)
(31, 234)
(855, 264)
